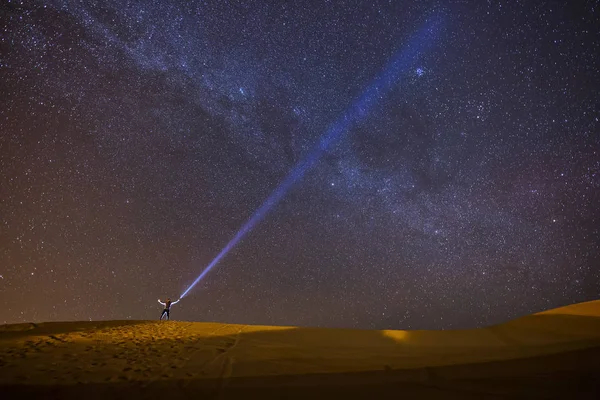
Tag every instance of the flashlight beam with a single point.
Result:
(381, 86)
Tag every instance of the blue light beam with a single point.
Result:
(380, 87)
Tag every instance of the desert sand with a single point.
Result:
(553, 354)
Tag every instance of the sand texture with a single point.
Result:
(554, 354)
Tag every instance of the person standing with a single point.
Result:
(167, 304)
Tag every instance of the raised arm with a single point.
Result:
(161, 302)
(175, 302)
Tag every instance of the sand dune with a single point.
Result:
(553, 354)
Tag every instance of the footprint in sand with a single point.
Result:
(229, 344)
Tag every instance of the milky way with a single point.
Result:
(138, 137)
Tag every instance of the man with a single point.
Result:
(167, 305)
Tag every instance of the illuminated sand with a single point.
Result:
(555, 354)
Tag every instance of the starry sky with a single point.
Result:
(137, 137)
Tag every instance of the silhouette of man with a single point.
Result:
(167, 308)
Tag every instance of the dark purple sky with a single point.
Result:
(137, 137)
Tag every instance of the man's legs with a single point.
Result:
(165, 311)
(168, 317)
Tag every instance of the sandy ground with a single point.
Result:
(555, 354)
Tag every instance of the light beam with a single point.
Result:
(377, 90)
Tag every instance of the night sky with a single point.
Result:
(136, 138)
